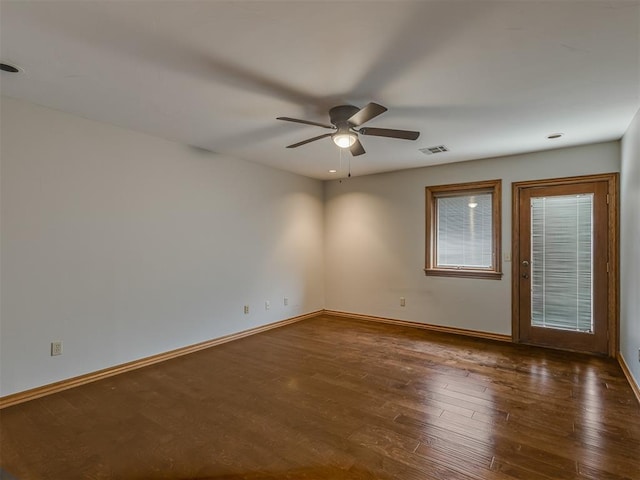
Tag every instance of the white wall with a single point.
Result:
(123, 245)
(375, 239)
(630, 248)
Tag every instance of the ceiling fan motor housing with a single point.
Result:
(340, 115)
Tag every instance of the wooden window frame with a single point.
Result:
(463, 189)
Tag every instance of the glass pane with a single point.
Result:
(464, 235)
(562, 262)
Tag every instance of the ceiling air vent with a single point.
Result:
(432, 150)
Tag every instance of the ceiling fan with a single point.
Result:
(345, 119)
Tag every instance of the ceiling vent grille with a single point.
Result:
(433, 150)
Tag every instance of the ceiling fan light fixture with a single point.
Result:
(344, 139)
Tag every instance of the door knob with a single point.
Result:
(525, 263)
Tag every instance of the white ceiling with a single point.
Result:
(483, 78)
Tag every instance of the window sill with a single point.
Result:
(447, 272)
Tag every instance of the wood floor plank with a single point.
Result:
(338, 398)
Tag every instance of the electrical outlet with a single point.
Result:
(267, 305)
(402, 302)
(246, 309)
(286, 301)
(56, 348)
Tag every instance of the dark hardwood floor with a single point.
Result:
(333, 398)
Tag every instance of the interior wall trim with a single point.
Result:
(627, 373)
(424, 326)
(31, 394)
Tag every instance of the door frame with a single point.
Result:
(613, 297)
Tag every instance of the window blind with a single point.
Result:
(562, 262)
(464, 231)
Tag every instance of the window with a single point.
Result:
(463, 230)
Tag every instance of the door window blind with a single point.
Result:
(562, 262)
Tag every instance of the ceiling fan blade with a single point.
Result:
(306, 122)
(391, 133)
(357, 148)
(309, 140)
(366, 113)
